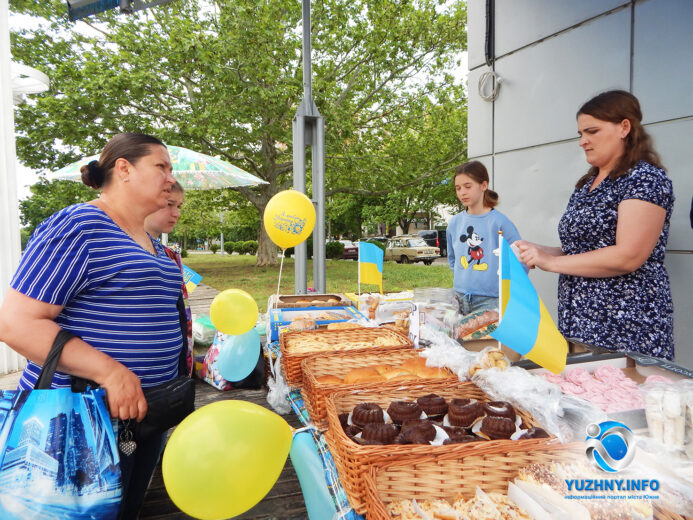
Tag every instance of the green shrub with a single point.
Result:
(377, 243)
(228, 247)
(184, 253)
(334, 250)
(289, 252)
(250, 247)
(214, 248)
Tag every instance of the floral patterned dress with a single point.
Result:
(632, 312)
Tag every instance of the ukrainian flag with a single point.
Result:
(191, 279)
(371, 264)
(526, 326)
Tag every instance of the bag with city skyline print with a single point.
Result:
(58, 452)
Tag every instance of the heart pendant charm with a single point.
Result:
(125, 442)
(127, 447)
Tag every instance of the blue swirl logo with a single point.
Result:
(610, 446)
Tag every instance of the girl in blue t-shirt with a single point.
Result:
(472, 238)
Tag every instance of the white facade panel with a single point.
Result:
(521, 23)
(680, 268)
(663, 58)
(479, 117)
(534, 186)
(673, 142)
(544, 85)
(476, 33)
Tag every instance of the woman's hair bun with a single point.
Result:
(93, 175)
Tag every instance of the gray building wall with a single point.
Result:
(552, 56)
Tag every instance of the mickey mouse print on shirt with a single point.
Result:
(474, 250)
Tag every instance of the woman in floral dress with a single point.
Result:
(613, 290)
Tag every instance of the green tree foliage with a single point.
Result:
(48, 197)
(225, 78)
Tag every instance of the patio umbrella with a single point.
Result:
(194, 171)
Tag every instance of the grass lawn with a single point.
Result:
(239, 272)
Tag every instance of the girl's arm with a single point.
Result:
(637, 232)
(451, 248)
(27, 326)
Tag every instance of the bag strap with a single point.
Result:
(45, 378)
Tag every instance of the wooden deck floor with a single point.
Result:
(283, 502)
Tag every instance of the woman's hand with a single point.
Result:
(124, 393)
(535, 255)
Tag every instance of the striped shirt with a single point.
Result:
(116, 296)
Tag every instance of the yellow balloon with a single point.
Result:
(224, 458)
(233, 312)
(289, 218)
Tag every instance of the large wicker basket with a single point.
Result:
(430, 477)
(335, 341)
(353, 460)
(338, 364)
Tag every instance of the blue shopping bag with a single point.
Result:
(58, 452)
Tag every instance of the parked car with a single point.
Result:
(436, 238)
(410, 248)
(351, 250)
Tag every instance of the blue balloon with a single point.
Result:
(238, 356)
(311, 475)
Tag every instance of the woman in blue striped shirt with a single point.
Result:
(92, 270)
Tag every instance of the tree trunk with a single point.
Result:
(185, 240)
(266, 250)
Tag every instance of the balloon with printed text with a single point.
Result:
(289, 218)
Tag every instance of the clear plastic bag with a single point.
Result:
(446, 352)
(278, 390)
(563, 416)
(203, 331)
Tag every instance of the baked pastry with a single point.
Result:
(351, 430)
(535, 433)
(497, 427)
(380, 433)
(434, 406)
(463, 412)
(400, 411)
(343, 420)
(500, 409)
(362, 375)
(342, 325)
(329, 380)
(458, 434)
(422, 432)
(365, 413)
(397, 373)
(302, 324)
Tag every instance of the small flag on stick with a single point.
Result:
(370, 265)
(526, 326)
(191, 279)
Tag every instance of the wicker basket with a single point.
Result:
(429, 477)
(353, 460)
(336, 340)
(446, 476)
(338, 364)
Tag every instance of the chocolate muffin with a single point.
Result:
(535, 433)
(365, 413)
(497, 427)
(380, 433)
(422, 433)
(351, 430)
(414, 423)
(462, 439)
(400, 411)
(500, 409)
(463, 412)
(434, 406)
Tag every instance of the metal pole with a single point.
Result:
(307, 67)
(318, 155)
(299, 159)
